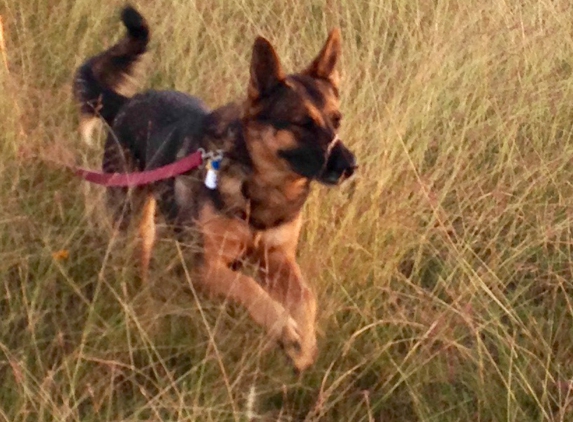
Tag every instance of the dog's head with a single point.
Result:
(293, 120)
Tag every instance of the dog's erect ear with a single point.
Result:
(324, 65)
(266, 70)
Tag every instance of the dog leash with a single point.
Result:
(147, 177)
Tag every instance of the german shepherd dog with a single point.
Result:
(274, 144)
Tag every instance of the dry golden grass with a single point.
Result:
(443, 270)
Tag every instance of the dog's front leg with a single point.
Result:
(219, 280)
(285, 283)
(224, 241)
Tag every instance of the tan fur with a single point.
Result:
(263, 146)
(283, 279)
(147, 231)
(226, 240)
(284, 304)
(87, 127)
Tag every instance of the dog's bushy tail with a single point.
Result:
(103, 83)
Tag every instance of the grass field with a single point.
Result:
(443, 270)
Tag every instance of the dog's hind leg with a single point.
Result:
(147, 231)
(147, 312)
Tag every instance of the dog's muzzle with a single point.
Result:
(340, 164)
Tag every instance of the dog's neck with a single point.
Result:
(251, 184)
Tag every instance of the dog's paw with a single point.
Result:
(302, 352)
(305, 358)
(290, 339)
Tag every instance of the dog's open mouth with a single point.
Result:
(334, 178)
(340, 165)
(329, 168)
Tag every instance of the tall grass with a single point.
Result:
(443, 270)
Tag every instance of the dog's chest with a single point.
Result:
(261, 205)
(272, 206)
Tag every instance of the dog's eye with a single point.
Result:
(336, 119)
(305, 123)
